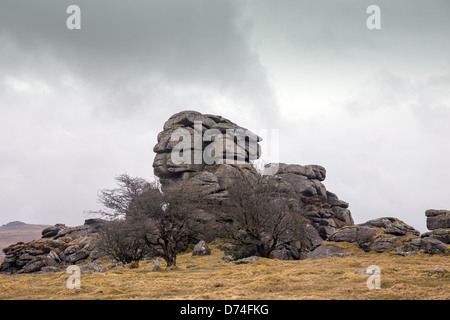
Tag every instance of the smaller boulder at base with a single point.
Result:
(201, 249)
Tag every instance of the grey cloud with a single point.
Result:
(126, 49)
(81, 106)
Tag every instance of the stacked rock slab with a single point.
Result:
(323, 211)
(438, 221)
(201, 130)
(392, 235)
(322, 208)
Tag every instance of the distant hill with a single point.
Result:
(18, 231)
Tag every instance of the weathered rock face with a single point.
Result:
(59, 247)
(321, 208)
(425, 245)
(440, 234)
(327, 251)
(383, 244)
(392, 226)
(371, 228)
(438, 219)
(353, 234)
(392, 235)
(324, 213)
(197, 134)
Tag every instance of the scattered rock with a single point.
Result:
(49, 269)
(392, 226)
(156, 268)
(191, 266)
(432, 246)
(77, 256)
(287, 252)
(352, 234)
(247, 260)
(426, 245)
(327, 251)
(97, 253)
(436, 271)
(33, 266)
(227, 258)
(94, 266)
(116, 265)
(363, 272)
(383, 244)
(201, 249)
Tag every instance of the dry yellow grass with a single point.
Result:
(213, 278)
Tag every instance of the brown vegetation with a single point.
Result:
(410, 277)
(22, 233)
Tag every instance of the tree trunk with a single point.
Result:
(169, 255)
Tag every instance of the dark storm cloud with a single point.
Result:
(163, 37)
(81, 106)
(128, 50)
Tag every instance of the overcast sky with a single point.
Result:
(79, 107)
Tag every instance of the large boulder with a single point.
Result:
(383, 244)
(442, 235)
(353, 234)
(52, 231)
(201, 249)
(392, 226)
(372, 228)
(195, 132)
(438, 219)
(327, 251)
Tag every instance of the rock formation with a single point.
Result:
(322, 210)
(438, 221)
(392, 235)
(59, 247)
(198, 131)
(327, 218)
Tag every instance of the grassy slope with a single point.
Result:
(331, 278)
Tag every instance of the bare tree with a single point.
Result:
(131, 198)
(148, 221)
(169, 231)
(119, 240)
(259, 219)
